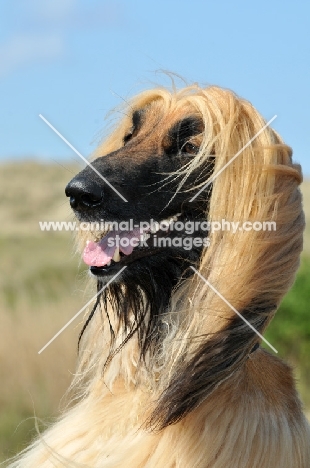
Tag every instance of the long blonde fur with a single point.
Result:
(249, 415)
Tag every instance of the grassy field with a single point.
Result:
(42, 286)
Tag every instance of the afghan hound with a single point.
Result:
(171, 373)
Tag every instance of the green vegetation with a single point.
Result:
(290, 329)
(42, 286)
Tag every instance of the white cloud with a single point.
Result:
(24, 49)
(71, 14)
(42, 29)
(50, 10)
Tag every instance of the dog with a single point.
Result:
(171, 372)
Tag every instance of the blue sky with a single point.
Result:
(74, 60)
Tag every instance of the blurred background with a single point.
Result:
(72, 61)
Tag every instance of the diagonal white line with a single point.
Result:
(81, 310)
(235, 310)
(82, 157)
(233, 158)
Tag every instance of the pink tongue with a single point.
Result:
(94, 255)
(100, 253)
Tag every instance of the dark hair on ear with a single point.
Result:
(216, 359)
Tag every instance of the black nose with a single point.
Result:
(84, 193)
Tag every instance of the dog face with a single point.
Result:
(145, 169)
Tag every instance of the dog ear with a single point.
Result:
(214, 361)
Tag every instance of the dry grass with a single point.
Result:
(33, 384)
(41, 287)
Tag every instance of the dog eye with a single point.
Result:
(190, 148)
(128, 137)
(133, 132)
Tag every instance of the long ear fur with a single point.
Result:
(252, 270)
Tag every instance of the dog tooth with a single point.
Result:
(116, 256)
(169, 220)
(109, 263)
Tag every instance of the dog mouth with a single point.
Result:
(115, 248)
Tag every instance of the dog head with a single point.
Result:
(141, 192)
(196, 155)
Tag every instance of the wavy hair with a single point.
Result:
(206, 342)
